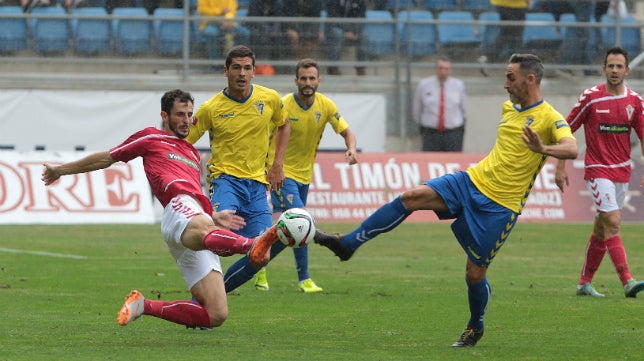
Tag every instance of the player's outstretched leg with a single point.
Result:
(384, 219)
(333, 242)
(132, 308)
(241, 271)
(259, 253)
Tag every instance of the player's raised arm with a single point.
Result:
(565, 149)
(92, 162)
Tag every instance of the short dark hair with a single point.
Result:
(615, 50)
(528, 63)
(239, 51)
(306, 63)
(168, 99)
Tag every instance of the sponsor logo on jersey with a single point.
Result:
(614, 128)
(174, 156)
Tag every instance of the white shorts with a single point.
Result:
(194, 265)
(607, 195)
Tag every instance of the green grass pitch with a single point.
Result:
(401, 297)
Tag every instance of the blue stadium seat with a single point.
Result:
(169, 31)
(13, 31)
(566, 19)
(380, 36)
(488, 32)
(50, 35)
(457, 34)
(417, 39)
(132, 36)
(629, 36)
(569, 37)
(91, 36)
(541, 38)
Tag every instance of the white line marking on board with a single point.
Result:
(41, 253)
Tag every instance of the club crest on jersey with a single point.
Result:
(629, 111)
(318, 116)
(529, 120)
(259, 105)
(337, 115)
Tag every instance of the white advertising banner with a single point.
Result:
(118, 194)
(63, 120)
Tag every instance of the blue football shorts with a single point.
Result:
(247, 197)
(292, 195)
(480, 225)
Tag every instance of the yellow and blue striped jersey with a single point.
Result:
(239, 131)
(307, 127)
(507, 174)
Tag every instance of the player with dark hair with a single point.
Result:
(608, 112)
(309, 113)
(189, 225)
(486, 199)
(238, 120)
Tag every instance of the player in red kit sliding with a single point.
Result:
(189, 226)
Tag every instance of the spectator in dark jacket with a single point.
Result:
(338, 34)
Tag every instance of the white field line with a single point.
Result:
(41, 253)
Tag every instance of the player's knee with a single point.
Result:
(475, 273)
(417, 198)
(218, 318)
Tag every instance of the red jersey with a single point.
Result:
(607, 120)
(171, 164)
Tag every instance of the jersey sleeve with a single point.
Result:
(561, 130)
(134, 146)
(336, 120)
(577, 116)
(280, 114)
(638, 122)
(200, 123)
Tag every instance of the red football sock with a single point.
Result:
(226, 243)
(618, 255)
(186, 313)
(595, 251)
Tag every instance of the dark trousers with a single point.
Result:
(510, 39)
(451, 140)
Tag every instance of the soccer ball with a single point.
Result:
(295, 227)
